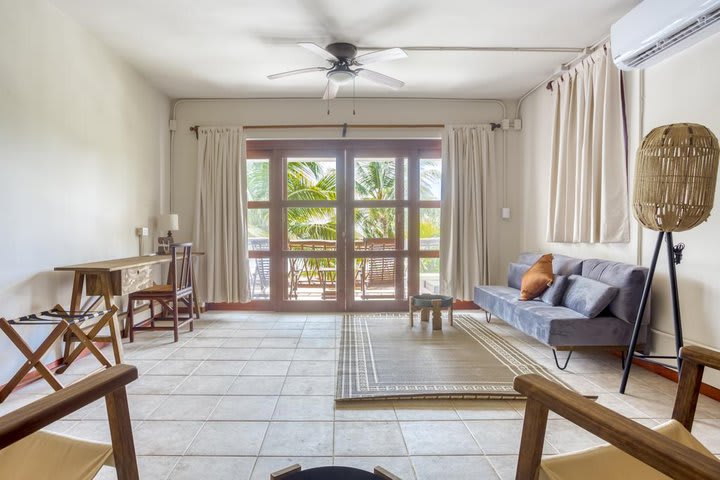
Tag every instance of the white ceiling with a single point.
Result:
(225, 48)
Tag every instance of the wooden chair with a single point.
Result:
(26, 452)
(177, 292)
(378, 273)
(635, 451)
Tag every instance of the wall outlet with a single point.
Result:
(142, 231)
(506, 213)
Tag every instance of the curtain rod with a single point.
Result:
(344, 126)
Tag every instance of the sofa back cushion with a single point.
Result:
(554, 294)
(587, 296)
(629, 280)
(562, 264)
(515, 274)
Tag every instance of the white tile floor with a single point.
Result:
(246, 394)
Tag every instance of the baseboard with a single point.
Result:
(670, 374)
(263, 306)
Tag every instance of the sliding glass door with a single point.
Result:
(342, 226)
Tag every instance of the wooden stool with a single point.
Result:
(436, 303)
(69, 324)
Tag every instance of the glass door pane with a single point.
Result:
(377, 239)
(310, 214)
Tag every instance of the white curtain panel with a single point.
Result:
(588, 180)
(221, 214)
(468, 153)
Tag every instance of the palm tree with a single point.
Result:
(313, 180)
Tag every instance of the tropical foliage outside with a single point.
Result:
(375, 179)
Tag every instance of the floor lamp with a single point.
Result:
(675, 175)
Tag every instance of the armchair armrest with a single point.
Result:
(652, 448)
(26, 420)
(701, 356)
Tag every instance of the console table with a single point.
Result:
(108, 278)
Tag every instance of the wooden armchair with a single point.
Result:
(668, 451)
(27, 452)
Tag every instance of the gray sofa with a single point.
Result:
(560, 326)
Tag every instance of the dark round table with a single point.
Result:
(333, 473)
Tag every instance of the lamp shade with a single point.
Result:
(168, 222)
(675, 175)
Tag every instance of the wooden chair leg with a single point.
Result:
(385, 474)
(190, 309)
(130, 320)
(176, 329)
(285, 472)
(410, 309)
(121, 435)
(688, 390)
(532, 440)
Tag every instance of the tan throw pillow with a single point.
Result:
(537, 279)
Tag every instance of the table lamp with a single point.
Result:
(675, 176)
(169, 222)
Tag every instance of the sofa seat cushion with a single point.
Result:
(554, 326)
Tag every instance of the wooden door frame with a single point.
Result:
(276, 152)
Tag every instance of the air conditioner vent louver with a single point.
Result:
(708, 20)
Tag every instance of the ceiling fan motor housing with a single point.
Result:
(343, 51)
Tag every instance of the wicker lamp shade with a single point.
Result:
(675, 176)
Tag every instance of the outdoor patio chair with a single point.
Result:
(378, 273)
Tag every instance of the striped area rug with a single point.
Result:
(382, 357)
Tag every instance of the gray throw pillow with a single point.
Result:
(515, 274)
(554, 294)
(588, 296)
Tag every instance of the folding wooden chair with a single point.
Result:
(634, 451)
(68, 324)
(26, 452)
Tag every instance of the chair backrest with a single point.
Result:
(180, 274)
(379, 271)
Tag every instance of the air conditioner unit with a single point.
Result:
(656, 29)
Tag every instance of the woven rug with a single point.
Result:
(381, 357)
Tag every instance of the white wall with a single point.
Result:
(369, 111)
(83, 145)
(683, 88)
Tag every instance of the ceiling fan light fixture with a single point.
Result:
(341, 77)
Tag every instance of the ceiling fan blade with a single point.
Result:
(376, 77)
(296, 72)
(317, 50)
(381, 56)
(331, 90)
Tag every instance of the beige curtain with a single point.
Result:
(221, 214)
(588, 179)
(468, 153)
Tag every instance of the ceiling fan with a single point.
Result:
(343, 60)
